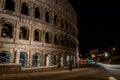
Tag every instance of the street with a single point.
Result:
(103, 72)
(77, 74)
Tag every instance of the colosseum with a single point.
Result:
(38, 33)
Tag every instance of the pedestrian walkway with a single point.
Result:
(34, 72)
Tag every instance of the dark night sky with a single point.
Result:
(98, 27)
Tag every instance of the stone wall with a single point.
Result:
(62, 9)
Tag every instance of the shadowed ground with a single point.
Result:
(77, 74)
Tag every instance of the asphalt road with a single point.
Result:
(77, 74)
(112, 70)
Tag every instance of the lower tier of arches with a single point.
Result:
(36, 58)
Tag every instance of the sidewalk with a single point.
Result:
(34, 72)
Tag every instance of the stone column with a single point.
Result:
(42, 14)
(47, 61)
(17, 31)
(17, 7)
(53, 38)
(61, 60)
(31, 32)
(29, 58)
(43, 37)
(17, 55)
(31, 9)
(51, 18)
(1, 3)
(1, 22)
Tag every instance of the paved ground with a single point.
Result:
(89, 73)
(77, 74)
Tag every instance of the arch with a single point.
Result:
(62, 24)
(67, 41)
(10, 5)
(73, 59)
(70, 28)
(24, 9)
(71, 44)
(55, 39)
(37, 35)
(7, 31)
(55, 59)
(23, 34)
(66, 25)
(47, 37)
(67, 59)
(55, 20)
(37, 13)
(47, 17)
(5, 57)
(62, 41)
(23, 59)
(48, 59)
(36, 60)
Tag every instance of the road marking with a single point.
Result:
(111, 78)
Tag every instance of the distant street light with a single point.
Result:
(114, 49)
(106, 54)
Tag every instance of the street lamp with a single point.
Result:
(113, 49)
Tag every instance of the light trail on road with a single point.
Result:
(113, 70)
(107, 66)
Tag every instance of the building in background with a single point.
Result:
(37, 33)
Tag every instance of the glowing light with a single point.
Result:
(111, 78)
(106, 54)
(113, 49)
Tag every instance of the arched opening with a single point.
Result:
(55, 20)
(7, 31)
(48, 60)
(23, 34)
(68, 60)
(73, 59)
(62, 41)
(67, 42)
(62, 24)
(24, 9)
(23, 59)
(37, 35)
(55, 59)
(47, 40)
(5, 57)
(55, 39)
(70, 28)
(10, 5)
(36, 60)
(66, 26)
(47, 17)
(37, 13)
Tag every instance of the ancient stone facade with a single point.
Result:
(37, 33)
